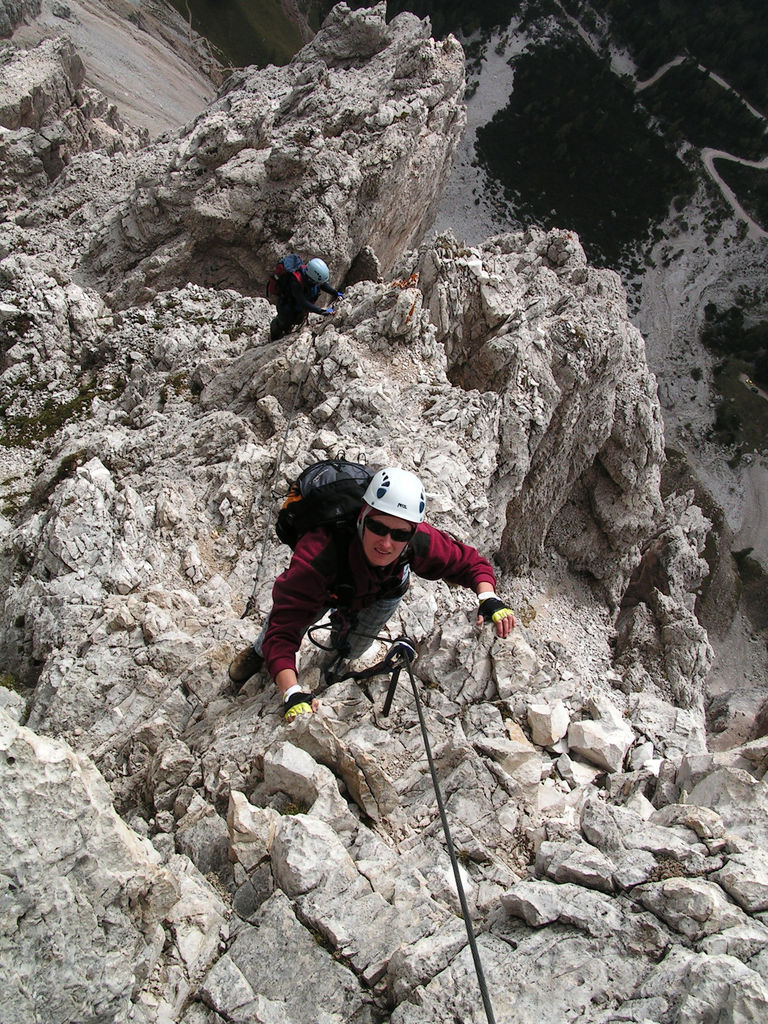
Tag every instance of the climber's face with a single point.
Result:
(384, 538)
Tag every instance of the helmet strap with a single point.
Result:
(364, 512)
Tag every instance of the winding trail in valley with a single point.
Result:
(622, 61)
(710, 155)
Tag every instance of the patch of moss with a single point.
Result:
(12, 505)
(666, 868)
(24, 431)
(10, 682)
(526, 613)
(294, 807)
(64, 470)
(180, 382)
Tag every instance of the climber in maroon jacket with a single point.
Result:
(392, 540)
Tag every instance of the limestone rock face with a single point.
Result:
(12, 12)
(335, 155)
(50, 116)
(185, 840)
(530, 320)
(89, 899)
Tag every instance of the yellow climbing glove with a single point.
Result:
(491, 608)
(297, 704)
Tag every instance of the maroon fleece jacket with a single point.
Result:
(305, 591)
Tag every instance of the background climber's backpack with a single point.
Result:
(328, 493)
(291, 265)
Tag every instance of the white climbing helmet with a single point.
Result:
(396, 492)
(317, 270)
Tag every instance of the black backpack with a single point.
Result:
(328, 493)
(289, 266)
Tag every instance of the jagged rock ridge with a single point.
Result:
(333, 154)
(600, 842)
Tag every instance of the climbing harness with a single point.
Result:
(274, 496)
(401, 651)
(401, 655)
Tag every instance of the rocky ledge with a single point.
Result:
(173, 852)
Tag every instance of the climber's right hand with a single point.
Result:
(298, 704)
(330, 311)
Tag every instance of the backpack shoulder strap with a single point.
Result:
(343, 586)
(286, 279)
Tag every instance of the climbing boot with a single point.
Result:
(246, 664)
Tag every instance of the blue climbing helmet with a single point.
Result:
(317, 271)
(395, 492)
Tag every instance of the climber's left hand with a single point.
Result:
(493, 610)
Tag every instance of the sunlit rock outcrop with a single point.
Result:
(47, 116)
(150, 429)
(96, 913)
(331, 154)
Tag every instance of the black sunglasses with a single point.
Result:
(398, 536)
